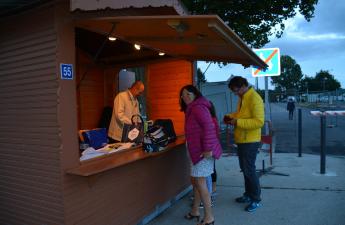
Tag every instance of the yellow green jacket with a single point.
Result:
(250, 117)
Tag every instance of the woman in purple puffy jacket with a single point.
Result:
(203, 147)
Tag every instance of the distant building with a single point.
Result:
(222, 98)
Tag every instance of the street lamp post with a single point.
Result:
(307, 92)
(324, 83)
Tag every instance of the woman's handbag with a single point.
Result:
(155, 139)
(133, 132)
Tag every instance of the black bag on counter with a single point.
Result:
(133, 132)
(106, 117)
(155, 139)
(168, 127)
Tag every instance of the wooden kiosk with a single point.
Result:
(42, 178)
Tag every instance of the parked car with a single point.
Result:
(291, 98)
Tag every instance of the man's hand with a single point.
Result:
(233, 122)
(227, 119)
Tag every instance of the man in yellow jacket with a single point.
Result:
(248, 121)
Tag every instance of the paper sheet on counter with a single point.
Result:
(90, 152)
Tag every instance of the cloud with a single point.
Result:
(318, 44)
(329, 17)
(297, 29)
(301, 49)
(321, 37)
(315, 45)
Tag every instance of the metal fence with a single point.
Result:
(309, 132)
(328, 97)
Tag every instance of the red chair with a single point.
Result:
(267, 138)
(228, 138)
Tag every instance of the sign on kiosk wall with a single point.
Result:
(271, 56)
(66, 71)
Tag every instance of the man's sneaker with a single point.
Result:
(213, 198)
(213, 201)
(243, 199)
(252, 206)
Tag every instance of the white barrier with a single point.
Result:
(328, 113)
(322, 115)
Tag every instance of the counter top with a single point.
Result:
(116, 159)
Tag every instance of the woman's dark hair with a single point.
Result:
(213, 110)
(238, 82)
(192, 89)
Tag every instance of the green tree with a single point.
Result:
(290, 77)
(253, 20)
(306, 84)
(324, 81)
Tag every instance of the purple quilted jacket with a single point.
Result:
(200, 130)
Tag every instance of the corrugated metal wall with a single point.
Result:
(223, 99)
(30, 173)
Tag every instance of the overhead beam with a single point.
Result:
(213, 26)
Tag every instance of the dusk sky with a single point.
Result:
(315, 45)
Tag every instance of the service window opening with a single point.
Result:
(127, 77)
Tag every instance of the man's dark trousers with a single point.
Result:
(247, 155)
(290, 114)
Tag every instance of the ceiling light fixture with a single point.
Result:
(161, 53)
(111, 38)
(137, 47)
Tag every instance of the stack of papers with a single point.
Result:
(90, 152)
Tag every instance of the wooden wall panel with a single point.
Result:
(110, 86)
(37, 144)
(124, 195)
(30, 166)
(90, 92)
(139, 186)
(164, 81)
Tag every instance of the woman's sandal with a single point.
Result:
(190, 216)
(210, 223)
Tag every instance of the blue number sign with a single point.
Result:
(66, 71)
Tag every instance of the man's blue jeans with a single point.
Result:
(246, 156)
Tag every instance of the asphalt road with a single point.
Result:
(286, 131)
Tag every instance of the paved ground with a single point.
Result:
(286, 132)
(303, 197)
